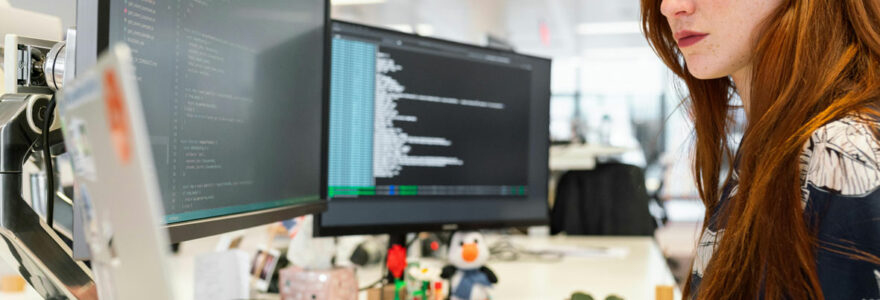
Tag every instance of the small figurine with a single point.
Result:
(419, 277)
(396, 263)
(470, 278)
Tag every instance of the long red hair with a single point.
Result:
(814, 61)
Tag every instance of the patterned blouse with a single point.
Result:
(840, 176)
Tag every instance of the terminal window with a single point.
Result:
(409, 119)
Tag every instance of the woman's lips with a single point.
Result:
(687, 38)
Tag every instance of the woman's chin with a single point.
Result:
(707, 76)
(705, 73)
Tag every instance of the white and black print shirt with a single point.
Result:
(840, 182)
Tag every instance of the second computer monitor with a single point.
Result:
(427, 134)
(233, 97)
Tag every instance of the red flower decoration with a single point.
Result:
(396, 260)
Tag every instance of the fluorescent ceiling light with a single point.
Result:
(355, 2)
(608, 28)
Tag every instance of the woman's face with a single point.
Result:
(717, 37)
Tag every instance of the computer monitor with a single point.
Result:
(426, 135)
(233, 100)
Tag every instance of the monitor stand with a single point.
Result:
(38, 252)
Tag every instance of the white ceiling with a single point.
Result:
(549, 28)
(517, 21)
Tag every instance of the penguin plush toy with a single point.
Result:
(469, 278)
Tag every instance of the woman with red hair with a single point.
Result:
(797, 213)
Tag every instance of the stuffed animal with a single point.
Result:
(468, 276)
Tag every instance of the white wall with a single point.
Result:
(64, 10)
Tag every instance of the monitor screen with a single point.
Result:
(233, 98)
(429, 134)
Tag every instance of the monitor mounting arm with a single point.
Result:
(40, 255)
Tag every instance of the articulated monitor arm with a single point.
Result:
(40, 255)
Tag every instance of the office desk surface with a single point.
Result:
(580, 157)
(632, 269)
(632, 274)
(28, 294)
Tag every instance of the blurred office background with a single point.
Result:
(608, 87)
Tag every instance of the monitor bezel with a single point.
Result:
(194, 229)
(429, 38)
(398, 228)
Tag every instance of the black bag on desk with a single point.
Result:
(610, 200)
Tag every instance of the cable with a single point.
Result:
(47, 156)
(410, 242)
(505, 250)
(28, 153)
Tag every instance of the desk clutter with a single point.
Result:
(421, 281)
(465, 277)
(12, 284)
(312, 276)
(544, 267)
(297, 283)
(662, 292)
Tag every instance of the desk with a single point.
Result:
(633, 276)
(28, 294)
(580, 156)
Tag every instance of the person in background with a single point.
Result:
(798, 214)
